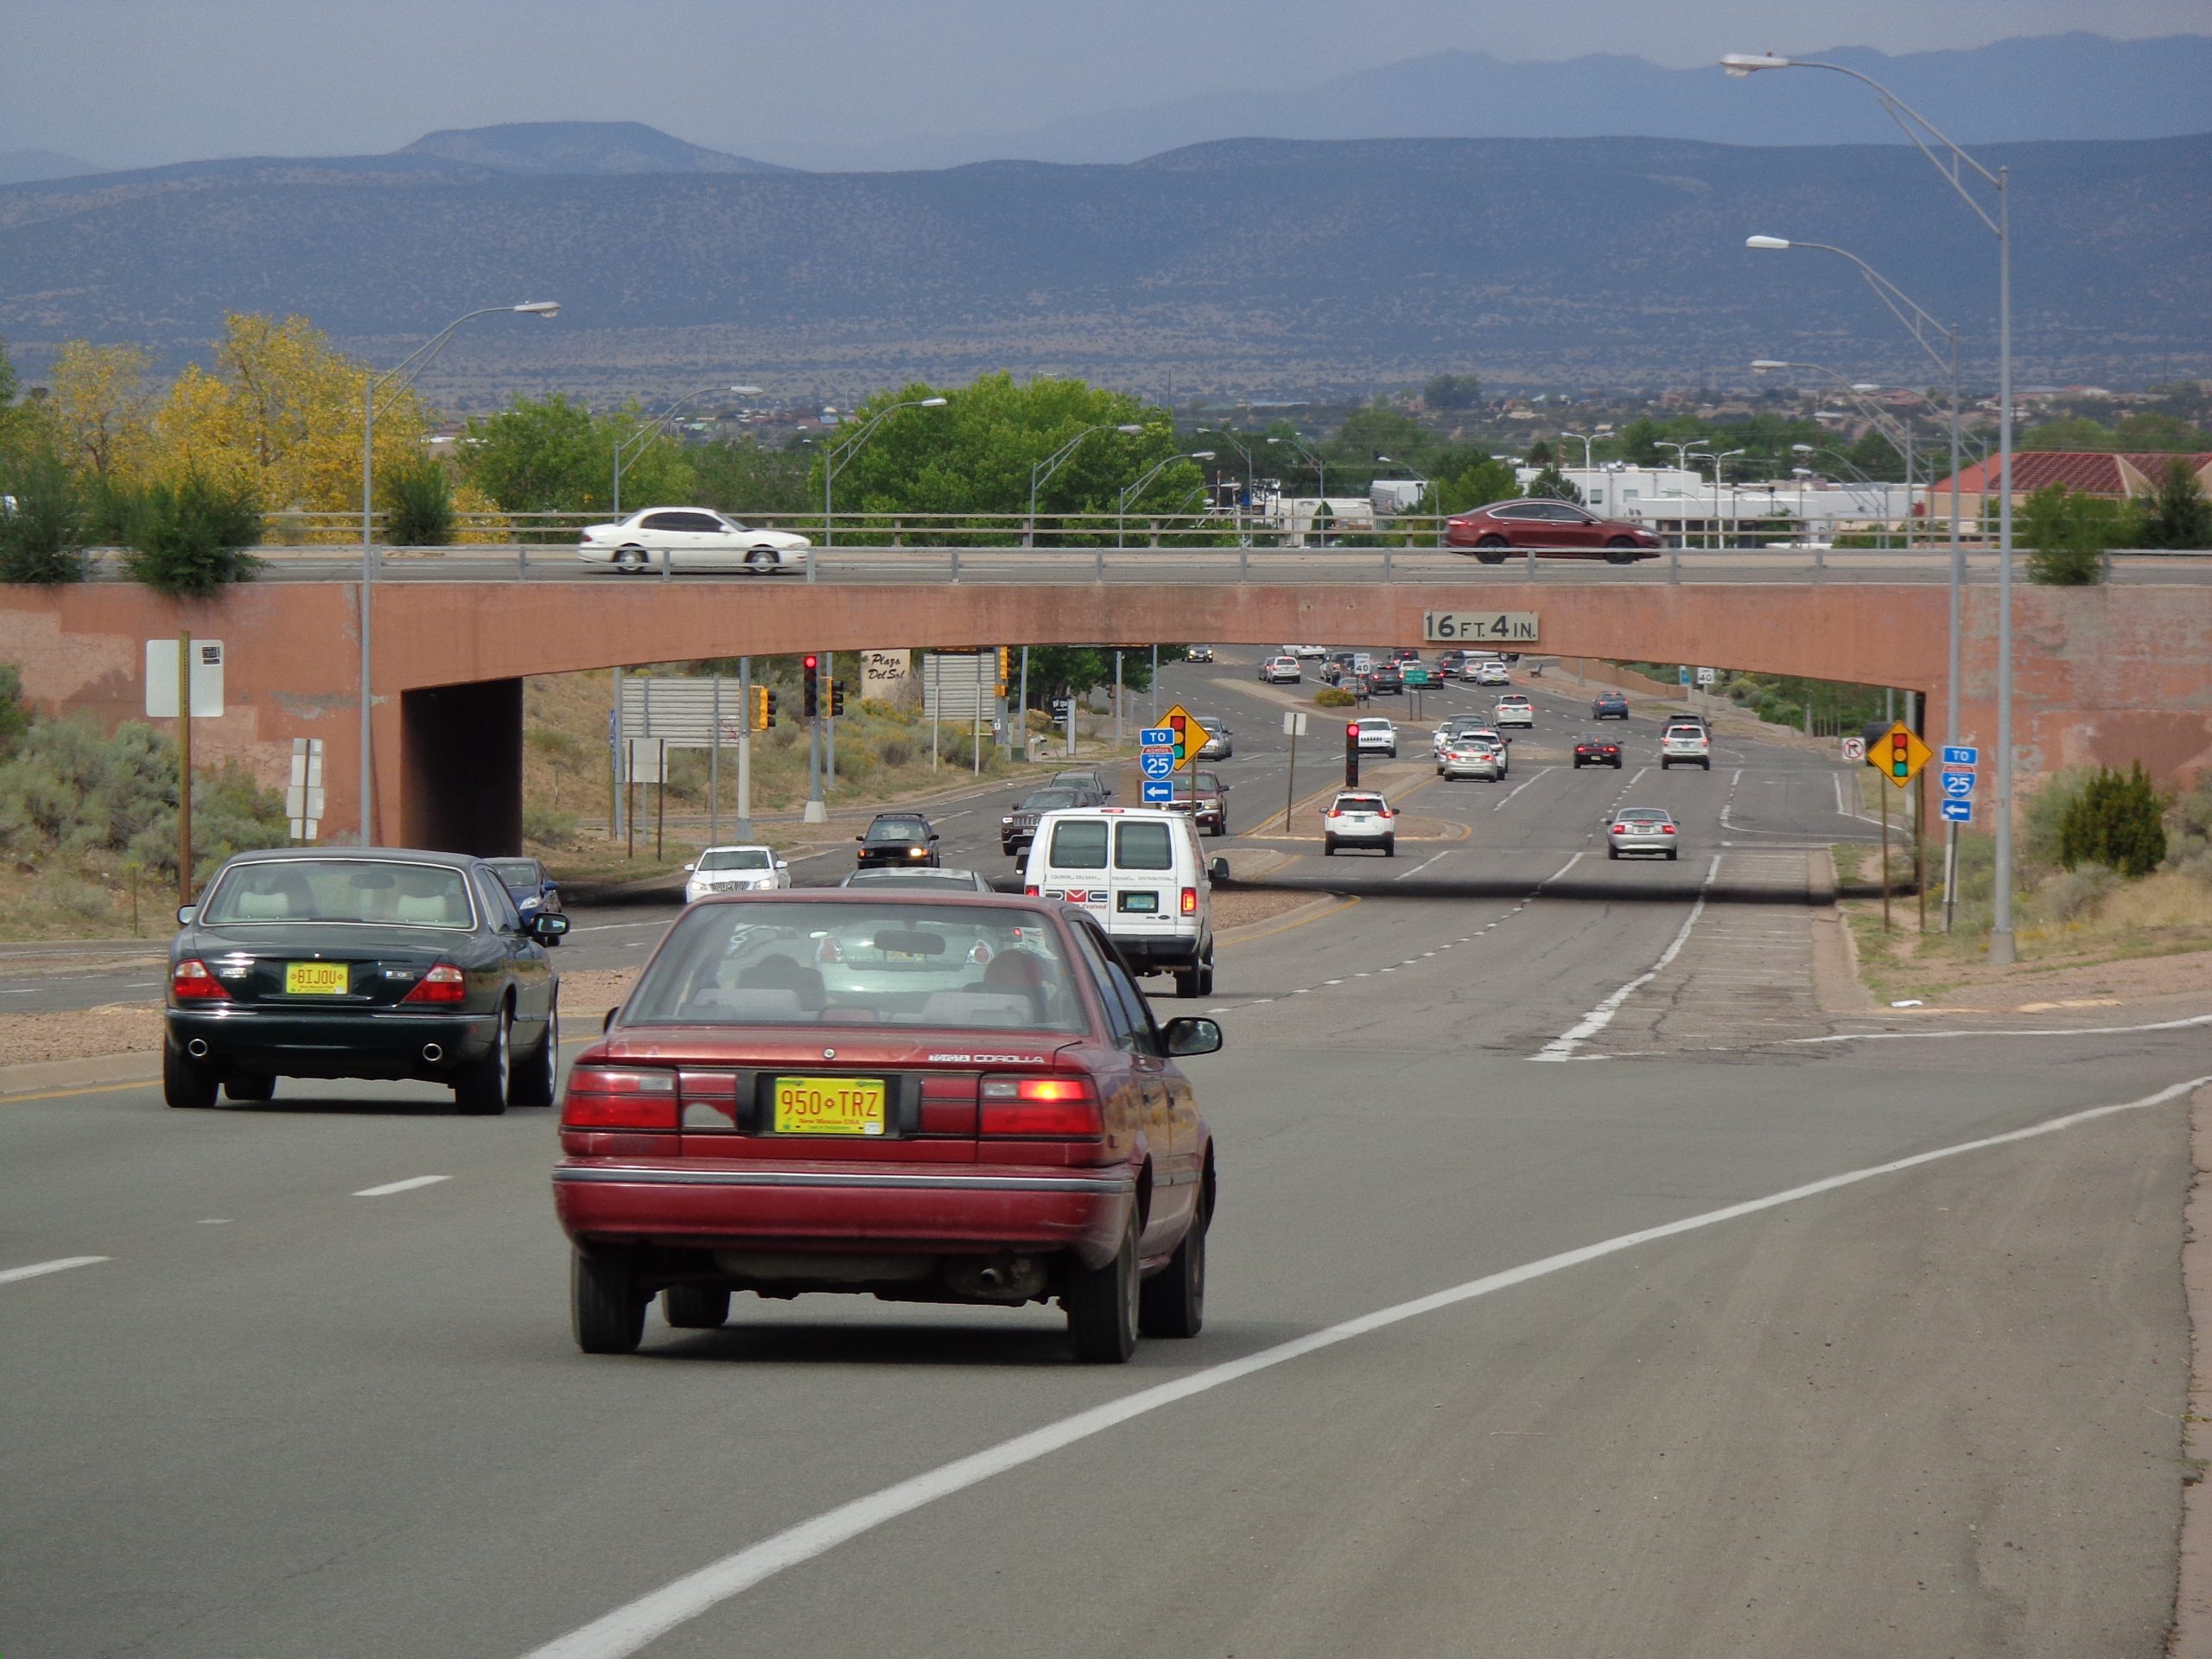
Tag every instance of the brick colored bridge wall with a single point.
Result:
(2103, 674)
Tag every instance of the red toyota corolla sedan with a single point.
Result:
(911, 1096)
(1555, 529)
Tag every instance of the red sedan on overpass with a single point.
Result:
(1553, 529)
(921, 1098)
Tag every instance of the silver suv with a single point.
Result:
(1685, 743)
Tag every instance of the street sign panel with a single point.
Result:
(1293, 722)
(1190, 736)
(1706, 675)
(1854, 748)
(1682, 675)
(1157, 737)
(1454, 627)
(1158, 763)
(1959, 755)
(1902, 754)
(206, 670)
(1957, 811)
(1958, 786)
(1158, 793)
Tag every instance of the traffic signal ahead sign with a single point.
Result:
(1900, 754)
(1190, 736)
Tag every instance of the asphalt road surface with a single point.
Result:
(1738, 1345)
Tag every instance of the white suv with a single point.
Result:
(1276, 670)
(1515, 711)
(1685, 744)
(1491, 671)
(1359, 818)
(1376, 736)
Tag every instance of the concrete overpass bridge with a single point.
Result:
(2106, 674)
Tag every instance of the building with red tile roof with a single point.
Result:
(2089, 472)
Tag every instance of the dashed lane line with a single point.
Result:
(1501, 805)
(1562, 1046)
(407, 1185)
(39, 1269)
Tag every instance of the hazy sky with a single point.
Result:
(139, 82)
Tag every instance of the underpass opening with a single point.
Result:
(461, 761)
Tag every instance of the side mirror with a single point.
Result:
(1193, 1034)
(185, 913)
(860, 838)
(688, 869)
(606, 1022)
(548, 925)
(781, 865)
(1218, 870)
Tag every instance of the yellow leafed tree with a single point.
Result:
(99, 402)
(280, 411)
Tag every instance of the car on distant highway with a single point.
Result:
(1609, 705)
(1447, 730)
(1515, 710)
(530, 885)
(690, 538)
(918, 880)
(902, 839)
(1473, 757)
(1205, 798)
(381, 962)
(1278, 671)
(1359, 818)
(1090, 778)
(1307, 652)
(1221, 742)
(995, 1119)
(1553, 529)
(741, 868)
(1386, 680)
(1375, 734)
(1402, 654)
(1333, 672)
(1018, 828)
(1641, 829)
(1594, 751)
(1685, 743)
(1197, 653)
(1491, 671)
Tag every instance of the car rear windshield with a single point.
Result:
(379, 892)
(891, 963)
(1359, 804)
(1080, 845)
(1045, 800)
(515, 871)
(1143, 847)
(1370, 726)
(734, 858)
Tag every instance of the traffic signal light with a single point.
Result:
(1351, 755)
(1006, 663)
(836, 698)
(770, 707)
(1900, 759)
(762, 714)
(809, 688)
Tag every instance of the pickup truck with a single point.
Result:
(1206, 798)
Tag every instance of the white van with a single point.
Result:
(1140, 874)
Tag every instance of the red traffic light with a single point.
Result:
(1352, 730)
(809, 661)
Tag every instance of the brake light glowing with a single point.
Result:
(1029, 892)
(193, 982)
(1666, 828)
(1620, 828)
(444, 983)
(1190, 901)
(602, 1097)
(1065, 1108)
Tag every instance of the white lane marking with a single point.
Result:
(214, 1221)
(637, 1623)
(1634, 781)
(142, 984)
(407, 1185)
(1418, 869)
(1558, 872)
(59, 1264)
(33, 991)
(1562, 1046)
(1519, 787)
(2051, 1031)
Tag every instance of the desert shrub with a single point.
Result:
(419, 505)
(2118, 821)
(2043, 816)
(2070, 534)
(2189, 822)
(2069, 895)
(547, 827)
(895, 753)
(15, 718)
(1334, 696)
(189, 538)
(42, 539)
(77, 898)
(855, 765)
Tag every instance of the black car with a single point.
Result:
(1386, 680)
(1595, 751)
(1088, 778)
(1609, 705)
(900, 840)
(374, 963)
(532, 886)
(1018, 829)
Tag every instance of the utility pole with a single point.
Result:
(743, 829)
(184, 769)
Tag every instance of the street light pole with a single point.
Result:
(1041, 473)
(833, 461)
(1122, 505)
(403, 373)
(1952, 164)
(1320, 472)
(1585, 436)
(637, 440)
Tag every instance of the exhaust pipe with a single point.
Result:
(433, 1053)
(197, 1048)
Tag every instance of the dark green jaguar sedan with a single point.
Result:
(373, 963)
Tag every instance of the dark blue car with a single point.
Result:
(530, 886)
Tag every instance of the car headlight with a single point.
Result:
(918, 852)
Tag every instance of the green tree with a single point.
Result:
(2069, 432)
(42, 539)
(1540, 455)
(2176, 515)
(1477, 484)
(2070, 534)
(1064, 670)
(1379, 429)
(1876, 456)
(188, 539)
(417, 503)
(1551, 482)
(548, 455)
(14, 717)
(743, 477)
(2151, 429)
(1452, 391)
(2118, 821)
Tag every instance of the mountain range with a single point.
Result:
(1240, 266)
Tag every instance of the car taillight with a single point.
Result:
(1334, 813)
(1062, 1107)
(1386, 814)
(603, 1098)
(1190, 901)
(1620, 828)
(1029, 892)
(193, 982)
(1666, 828)
(444, 983)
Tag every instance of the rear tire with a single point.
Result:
(1328, 850)
(1102, 1306)
(1491, 549)
(250, 1088)
(1187, 980)
(534, 1080)
(1390, 847)
(1707, 765)
(1671, 851)
(696, 1308)
(1612, 852)
(480, 1089)
(1205, 976)
(630, 561)
(1173, 1302)
(186, 1083)
(604, 1305)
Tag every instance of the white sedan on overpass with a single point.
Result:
(691, 538)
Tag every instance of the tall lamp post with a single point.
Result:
(1954, 163)
(402, 373)
(1920, 326)
(1899, 434)
(630, 447)
(1586, 466)
(1041, 473)
(1320, 472)
(1717, 461)
(1122, 507)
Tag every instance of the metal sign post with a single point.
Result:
(1960, 761)
(184, 769)
(1294, 726)
(743, 828)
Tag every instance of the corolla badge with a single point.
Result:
(828, 1054)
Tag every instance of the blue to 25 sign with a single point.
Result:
(1159, 765)
(1957, 756)
(1958, 811)
(1161, 791)
(1157, 737)
(1958, 786)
